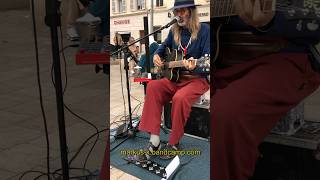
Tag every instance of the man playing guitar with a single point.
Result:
(193, 39)
(249, 97)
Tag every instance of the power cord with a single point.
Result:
(40, 89)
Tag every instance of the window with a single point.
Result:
(140, 4)
(113, 6)
(132, 5)
(122, 6)
(159, 3)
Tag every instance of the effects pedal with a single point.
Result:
(149, 165)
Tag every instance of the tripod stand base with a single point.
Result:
(131, 133)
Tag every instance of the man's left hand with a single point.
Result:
(251, 12)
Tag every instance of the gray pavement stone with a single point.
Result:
(11, 119)
(12, 136)
(4, 174)
(32, 107)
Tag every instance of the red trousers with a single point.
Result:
(183, 95)
(248, 101)
(105, 168)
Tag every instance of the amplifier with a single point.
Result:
(198, 123)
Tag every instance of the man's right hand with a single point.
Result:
(157, 60)
(252, 13)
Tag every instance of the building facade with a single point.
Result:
(127, 15)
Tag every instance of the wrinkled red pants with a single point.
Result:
(248, 101)
(183, 95)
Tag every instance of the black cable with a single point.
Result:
(97, 130)
(64, 61)
(74, 177)
(84, 143)
(40, 88)
(119, 144)
(60, 174)
(44, 174)
(31, 171)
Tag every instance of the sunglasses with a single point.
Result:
(180, 11)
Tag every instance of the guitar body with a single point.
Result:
(171, 73)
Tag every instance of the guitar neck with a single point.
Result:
(224, 8)
(176, 64)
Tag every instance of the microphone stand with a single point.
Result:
(53, 20)
(125, 49)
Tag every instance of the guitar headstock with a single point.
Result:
(204, 62)
(305, 12)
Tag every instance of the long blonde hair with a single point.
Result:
(193, 26)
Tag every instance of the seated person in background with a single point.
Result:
(118, 43)
(152, 48)
(133, 55)
(74, 10)
(99, 9)
(86, 11)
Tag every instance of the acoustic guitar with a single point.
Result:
(173, 65)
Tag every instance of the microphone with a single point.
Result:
(174, 20)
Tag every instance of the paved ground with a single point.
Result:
(22, 136)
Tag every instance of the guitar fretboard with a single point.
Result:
(174, 64)
(223, 8)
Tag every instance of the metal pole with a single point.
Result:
(53, 20)
(151, 16)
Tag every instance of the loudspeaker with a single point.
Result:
(198, 123)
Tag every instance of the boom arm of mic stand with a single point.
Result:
(138, 40)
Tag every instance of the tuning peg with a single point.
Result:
(299, 25)
(305, 11)
(313, 25)
(291, 12)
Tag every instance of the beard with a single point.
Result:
(183, 22)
